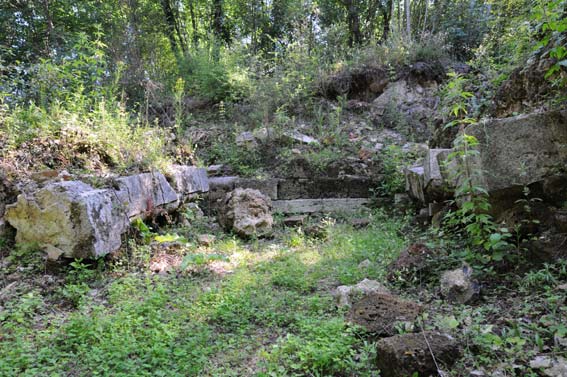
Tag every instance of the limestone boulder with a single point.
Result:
(457, 285)
(142, 194)
(69, 219)
(407, 354)
(247, 213)
(345, 294)
(8, 194)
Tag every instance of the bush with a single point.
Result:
(216, 75)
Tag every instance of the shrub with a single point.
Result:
(216, 75)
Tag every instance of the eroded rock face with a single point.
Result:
(364, 83)
(69, 219)
(414, 100)
(345, 294)
(7, 195)
(379, 313)
(247, 212)
(403, 355)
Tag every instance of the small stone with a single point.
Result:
(296, 151)
(477, 373)
(299, 137)
(541, 362)
(558, 368)
(359, 223)
(344, 294)
(562, 287)
(410, 261)
(246, 139)
(364, 264)
(457, 286)
(44, 175)
(217, 170)
(206, 239)
(317, 231)
(262, 134)
(293, 221)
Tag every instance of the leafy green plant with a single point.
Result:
(320, 347)
(552, 23)
(472, 199)
(394, 158)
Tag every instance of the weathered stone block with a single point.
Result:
(187, 180)
(268, 187)
(415, 182)
(407, 354)
(70, 219)
(521, 150)
(379, 313)
(142, 193)
(289, 189)
(436, 187)
(220, 186)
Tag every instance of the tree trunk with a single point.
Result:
(194, 33)
(408, 19)
(49, 31)
(219, 28)
(170, 26)
(353, 20)
(387, 11)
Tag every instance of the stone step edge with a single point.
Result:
(320, 205)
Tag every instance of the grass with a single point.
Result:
(273, 315)
(264, 309)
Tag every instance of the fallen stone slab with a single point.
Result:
(187, 180)
(407, 354)
(301, 138)
(141, 194)
(296, 220)
(69, 219)
(380, 313)
(320, 205)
